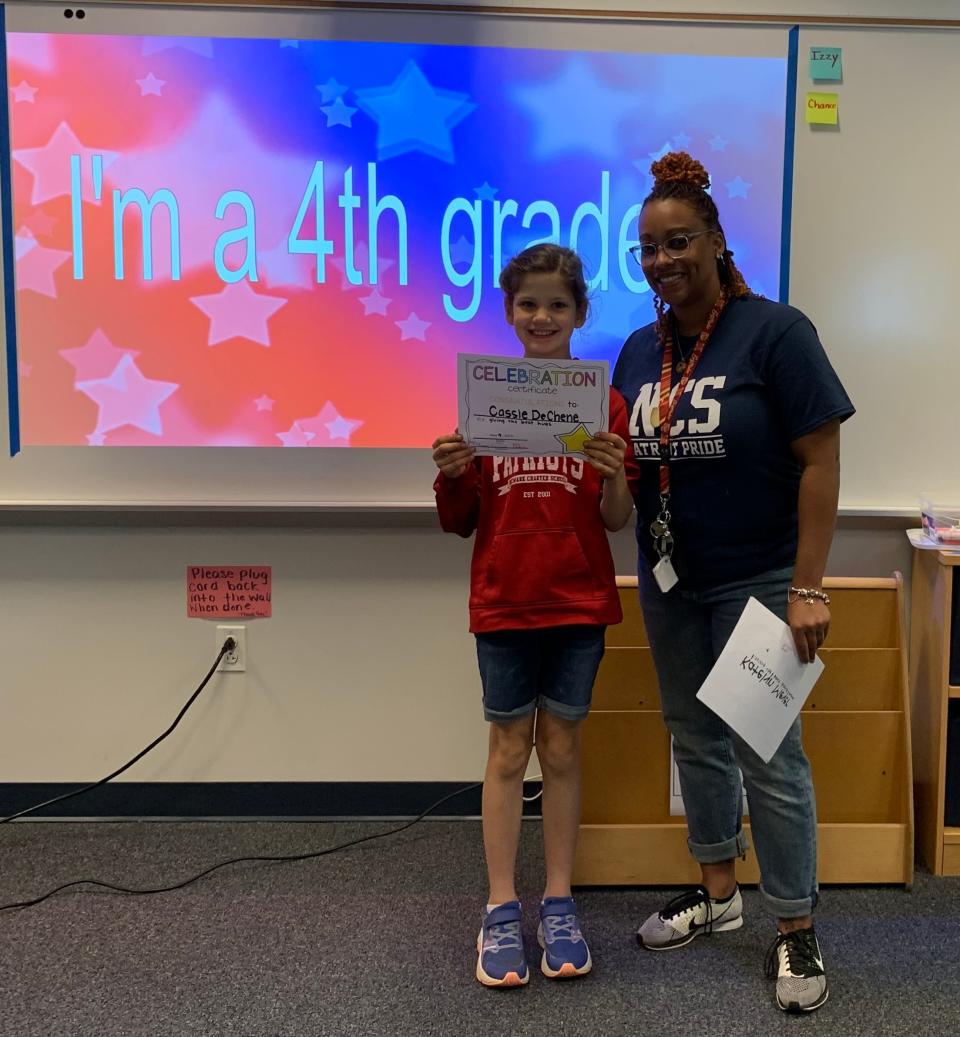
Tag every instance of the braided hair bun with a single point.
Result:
(678, 167)
(680, 177)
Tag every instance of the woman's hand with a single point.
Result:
(606, 452)
(452, 455)
(809, 623)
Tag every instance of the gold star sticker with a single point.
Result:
(573, 441)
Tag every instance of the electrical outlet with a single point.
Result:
(234, 661)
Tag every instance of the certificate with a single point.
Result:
(530, 408)
(758, 683)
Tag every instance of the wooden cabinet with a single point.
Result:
(856, 731)
(935, 582)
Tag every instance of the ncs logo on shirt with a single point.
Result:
(696, 435)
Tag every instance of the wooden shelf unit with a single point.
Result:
(856, 727)
(934, 580)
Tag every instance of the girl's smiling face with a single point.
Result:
(544, 314)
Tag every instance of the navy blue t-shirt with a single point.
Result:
(762, 381)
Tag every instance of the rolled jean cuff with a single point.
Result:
(715, 853)
(780, 908)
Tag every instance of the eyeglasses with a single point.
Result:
(675, 246)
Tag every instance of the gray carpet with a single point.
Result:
(379, 940)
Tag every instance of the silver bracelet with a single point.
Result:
(807, 594)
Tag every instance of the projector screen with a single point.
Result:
(283, 239)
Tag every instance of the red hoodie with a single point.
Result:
(541, 557)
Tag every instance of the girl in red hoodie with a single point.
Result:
(542, 591)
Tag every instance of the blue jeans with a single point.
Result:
(687, 631)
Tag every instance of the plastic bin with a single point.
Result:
(941, 522)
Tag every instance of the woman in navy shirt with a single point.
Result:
(735, 419)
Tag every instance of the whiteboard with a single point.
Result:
(873, 264)
(875, 259)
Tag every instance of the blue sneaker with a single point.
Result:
(565, 951)
(500, 958)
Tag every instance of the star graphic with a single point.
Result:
(97, 359)
(128, 398)
(295, 44)
(294, 436)
(375, 303)
(560, 109)
(238, 312)
(361, 262)
(36, 266)
(23, 91)
(50, 165)
(342, 428)
(643, 168)
(328, 427)
(485, 192)
(718, 143)
(413, 115)
(264, 403)
(338, 113)
(150, 85)
(331, 90)
(40, 224)
(413, 327)
(23, 243)
(738, 188)
(281, 269)
(196, 44)
(461, 251)
(572, 442)
(655, 156)
(681, 142)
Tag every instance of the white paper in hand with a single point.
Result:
(758, 685)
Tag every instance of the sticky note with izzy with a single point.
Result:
(823, 109)
(826, 63)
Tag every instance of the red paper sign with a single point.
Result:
(229, 591)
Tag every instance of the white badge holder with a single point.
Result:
(665, 574)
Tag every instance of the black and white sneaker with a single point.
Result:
(688, 916)
(795, 960)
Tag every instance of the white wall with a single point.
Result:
(364, 672)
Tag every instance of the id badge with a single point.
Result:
(665, 574)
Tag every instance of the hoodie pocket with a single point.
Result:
(536, 566)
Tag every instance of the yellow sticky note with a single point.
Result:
(823, 109)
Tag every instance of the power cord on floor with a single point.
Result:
(228, 645)
(242, 860)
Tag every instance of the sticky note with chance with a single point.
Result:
(826, 63)
(823, 109)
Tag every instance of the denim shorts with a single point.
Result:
(552, 668)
